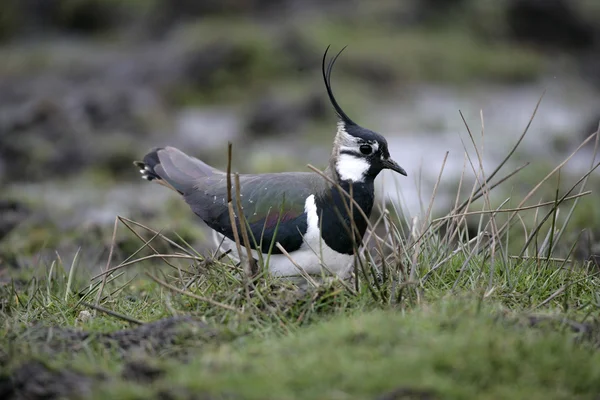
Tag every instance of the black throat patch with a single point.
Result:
(334, 216)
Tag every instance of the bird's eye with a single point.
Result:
(366, 149)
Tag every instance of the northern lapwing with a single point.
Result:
(304, 212)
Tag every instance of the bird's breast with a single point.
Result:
(341, 222)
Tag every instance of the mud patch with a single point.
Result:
(35, 380)
(160, 335)
(151, 338)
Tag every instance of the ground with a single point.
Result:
(472, 329)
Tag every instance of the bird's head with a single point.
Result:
(359, 154)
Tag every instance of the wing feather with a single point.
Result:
(273, 206)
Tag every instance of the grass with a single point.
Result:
(433, 311)
(326, 343)
(449, 350)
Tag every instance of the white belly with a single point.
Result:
(314, 256)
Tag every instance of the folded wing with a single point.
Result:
(273, 204)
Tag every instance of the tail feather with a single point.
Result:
(173, 168)
(147, 166)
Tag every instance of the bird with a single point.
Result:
(306, 213)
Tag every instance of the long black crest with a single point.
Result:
(327, 79)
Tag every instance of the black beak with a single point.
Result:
(391, 164)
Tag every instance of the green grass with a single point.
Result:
(325, 343)
(448, 350)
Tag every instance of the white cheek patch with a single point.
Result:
(351, 168)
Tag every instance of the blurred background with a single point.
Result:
(88, 86)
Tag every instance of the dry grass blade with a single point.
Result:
(193, 295)
(110, 256)
(504, 210)
(85, 293)
(74, 265)
(485, 190)
(232, 220)
(302, 271)
(510, 153)
(437, 266)
(555, 207)
(112, 313)
(554, 295)
(249, 267)
(229, 157)
(154, 232)
(583, 185)
(538, 259)
(558, 167)
(148, 257)
(454, 228)
(435, 189)
(146, 243)
(413, 269)
(436, 224)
